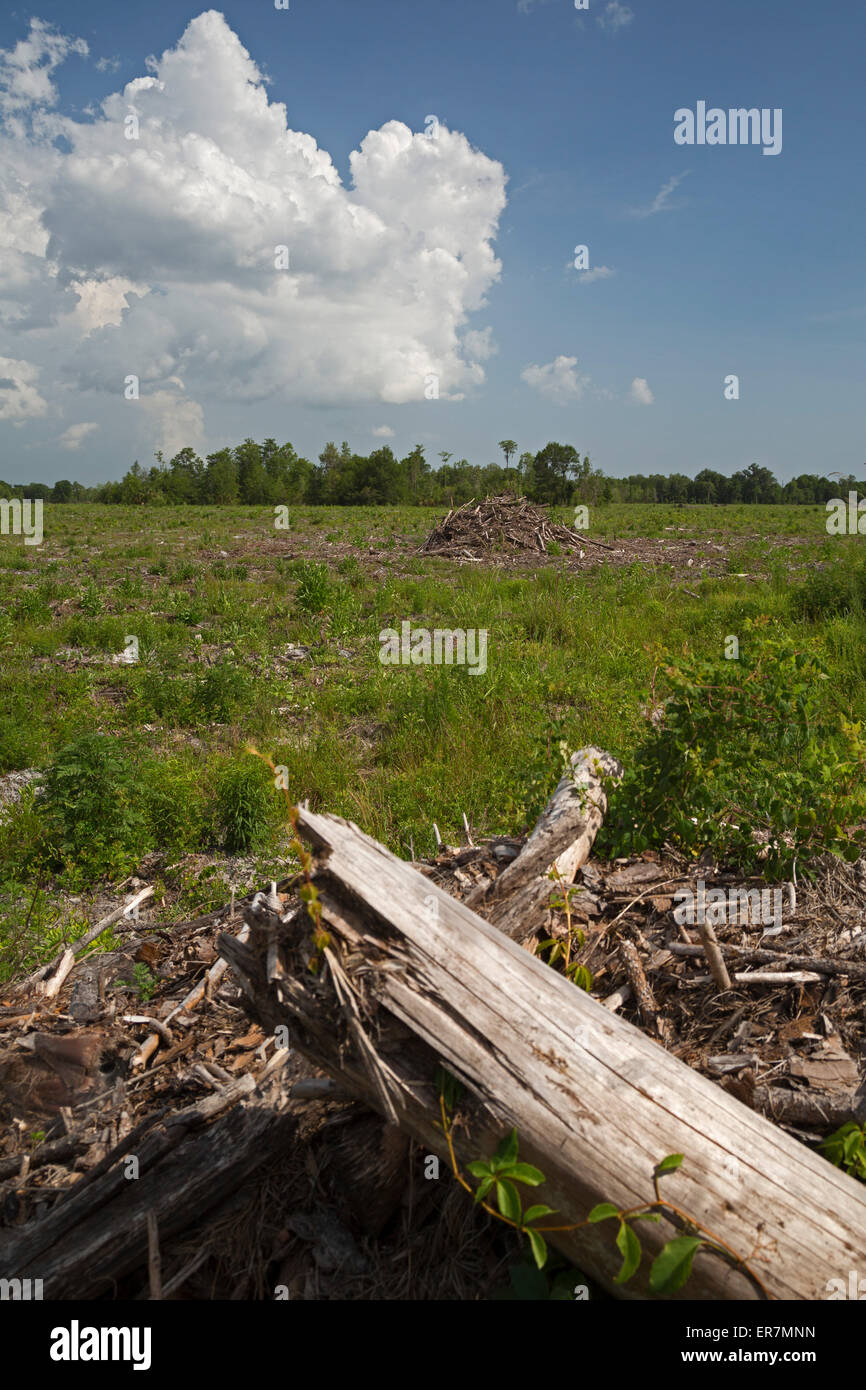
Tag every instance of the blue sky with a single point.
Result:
(557, 130)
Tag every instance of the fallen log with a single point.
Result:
(410, 979)
(187, 1166)
(562, 839)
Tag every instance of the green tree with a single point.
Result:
(508, 447)
(553, 468)
(252, 479)
(416, 471)
(220, 483)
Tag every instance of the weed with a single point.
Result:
(314, 587)
(846, 1148)
(143, 982)
(244, 805)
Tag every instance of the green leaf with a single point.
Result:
(479, 1169)
(539, 1248)
(629, 1247)
(508, 1148)
(602, 1212)
(673, 1264)
(582, 977)
(669, 1164)
(533, 1213)
(483, 1188)
(526, 1173)
(509, 1200)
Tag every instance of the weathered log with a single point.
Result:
(562, 838)
(99, 1233)
(413, 978)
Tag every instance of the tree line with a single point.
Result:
(272, 474)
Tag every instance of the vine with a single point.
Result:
(670, 1268)
(308, 892)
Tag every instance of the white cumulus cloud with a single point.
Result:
(19, 398)
(479, 344)
(26, 71)
(640, 393)
(73, 437)
(177, 420)
(558, 381)
(383, 432)
(159, 256)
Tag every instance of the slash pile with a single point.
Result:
(503, 522)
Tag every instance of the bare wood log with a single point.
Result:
(50, 988)
(562, 838)
(820, 1111)
(619, 997)
(155, 1023)
(596, 1103)
(589, 540)
(53, 1152)
(766, 977)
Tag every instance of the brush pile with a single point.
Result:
(504, 522)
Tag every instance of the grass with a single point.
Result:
(217, 599)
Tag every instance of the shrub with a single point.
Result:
(744, 745)
(839, 588)
(176, 803)
(89, 806)
(246, 805)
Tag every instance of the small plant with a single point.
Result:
(314, 587)
(577, 973)
(218, 692)
(343, 610)
(838, 588)
(244, 807)
(502, 1173)
(846, 1148)
(91, 600)
(89, 808)
(673, 1264)
(143, 982)
(186, 609)
(308, 892)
